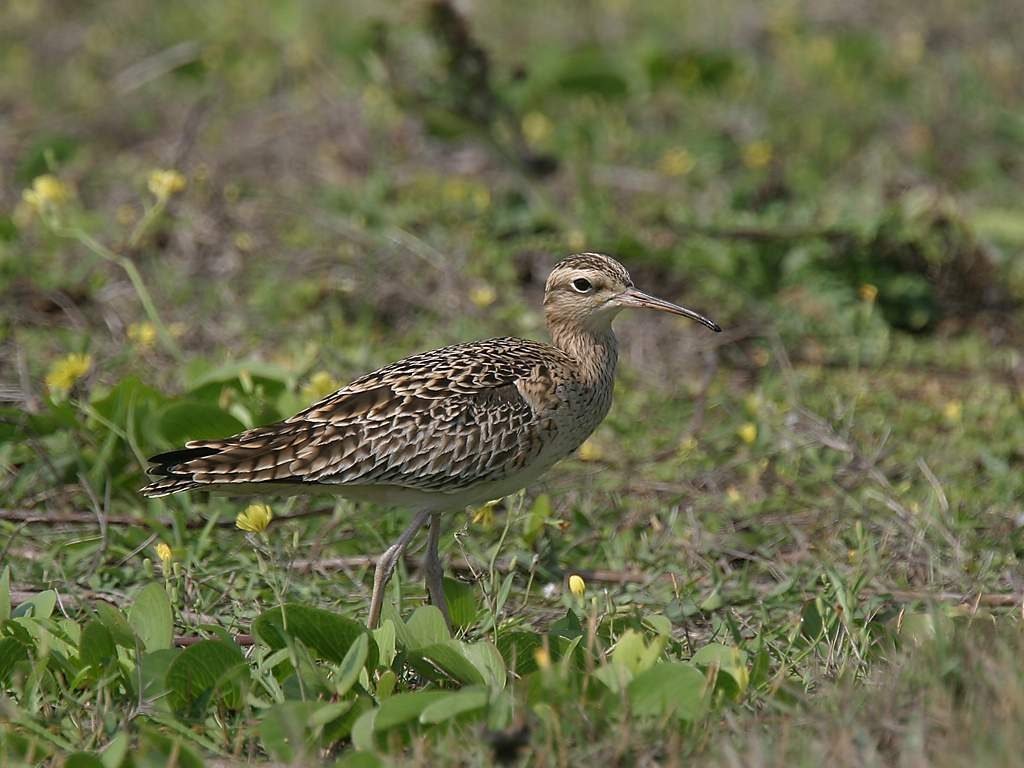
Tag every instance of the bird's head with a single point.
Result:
(587, 291)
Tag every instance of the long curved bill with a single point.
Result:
(632, 297)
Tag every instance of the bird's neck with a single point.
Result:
(594, 349)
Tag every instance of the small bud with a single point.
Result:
(577, 585)
(164, 553)
(748, 432)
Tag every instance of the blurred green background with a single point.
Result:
(837, 184)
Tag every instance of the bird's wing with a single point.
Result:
(442, 420)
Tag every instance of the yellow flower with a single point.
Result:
(953, 411)
(254, 519)
(320, 385)
(142, 335)
(577, 585)
(732, 493)
(483, 295)
(676, 162)
(164, 553)
(484, 514)
(164, 183)
(64, 373)
(748, 432)
(537, 128)
(757, 154)
(868, 293)
(590, 451)
(47, 192)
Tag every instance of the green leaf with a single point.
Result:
(196, 420)
(426, 627)
(151, 618)
(404, 707)
(5, 594)
(96, 647)
(517, 649)
(633, 652)
(152, 674)
(38, 606)
(488, 661)
(359, 760)
(120, 630)
(328, 635)
(731, 666)
(210, 670)
(461, 603)
(284, 730)
(448, 657)
(384, 637)
(454, 704)
(362, 731)
(352, 664)
(83, 760)
(113, 755)
(11, 652)
(675, 688)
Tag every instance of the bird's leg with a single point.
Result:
(386, 566)
(434, 571)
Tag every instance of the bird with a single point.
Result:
(441, 430)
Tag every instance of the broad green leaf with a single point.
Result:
(674, 688)
(659, 623)
(209, 670)
(363, 729)
(38, 606)
(384, 638)
(351, 665)
(634, 653)
(114, 753)
(518, 648)
(152, 675)
(426, 627)
(83, 760)
(11, 652)
(733, 675)
(359, 760)
(195, 420)
(326, 634)
(404, 707)
(248, 374)
(454, 704)
(461, 600)
(485, 656)
(448, 656)
(150, 616)
(120, 630)
(96, 647)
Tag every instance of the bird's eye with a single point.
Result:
(582, 285)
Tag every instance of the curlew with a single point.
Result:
(440, 430)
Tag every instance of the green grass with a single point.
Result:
(801, 538)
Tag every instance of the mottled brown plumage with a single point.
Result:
(441, 429)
